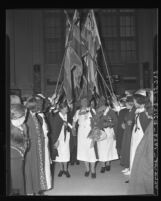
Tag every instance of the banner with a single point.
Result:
(91, 41)
(73, 67)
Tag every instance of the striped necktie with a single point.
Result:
(136, 122)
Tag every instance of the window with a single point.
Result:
(127, 26)
(53, 36)
(112, 49)
(118, 32)
(128, 37)
(128, 51)
(110, 27)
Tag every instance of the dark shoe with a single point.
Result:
(41, 193)
(60, 173)
(72, 163)
(93, 175)
(86, 174)
(103, 169)
(127, 181)
(108, 167)
(77, 163)
(67, 173)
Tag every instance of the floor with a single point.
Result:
(108, 183)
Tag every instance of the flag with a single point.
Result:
(91, 40)
(73, 67)
(68, 28)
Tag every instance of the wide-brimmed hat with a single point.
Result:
(40, 96)
(141, 92)
(14, 99)
(17, 111)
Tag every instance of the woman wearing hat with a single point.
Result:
(84, 151)
(141, 178)
(18, 147)
(107, 147)
(121, 115)
(36, 181)
(140, 125)
(60, 139)
(127, 126)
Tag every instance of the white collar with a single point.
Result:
(32, 113)
(64, 117)
(139, 110)
(87, 109)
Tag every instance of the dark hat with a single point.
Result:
(129, 99)
(17, 111)
(31, 102)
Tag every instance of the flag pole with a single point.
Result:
(60, 87)
(60, 70)
(105, 90)
(102, 51)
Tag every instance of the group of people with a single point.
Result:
(46, 130)
(135, 141)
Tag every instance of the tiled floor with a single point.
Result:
(108, 183)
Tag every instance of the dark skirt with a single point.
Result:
(125, 150)
(17, 176)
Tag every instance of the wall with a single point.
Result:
(147, 28)
(24, 28)
(10, 34)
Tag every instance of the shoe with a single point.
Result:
(67, 173)
(127, 173)
(41, 193)
(93, 175)
(103, 169)
(127, 181)
(60, 173)
(72, 163)
(108, 167)
(125, 170)
(77, 163)
(86, 173)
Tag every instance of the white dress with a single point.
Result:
(84, 151)
(107, 148)
(135, 138)
(47, 154)
(63, 145)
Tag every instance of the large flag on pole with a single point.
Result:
(73, 67)
(91, 40)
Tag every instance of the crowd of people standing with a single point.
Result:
(46, 131)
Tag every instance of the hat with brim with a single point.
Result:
(14, 99)
(141, 92)
(40, 96)
(17, 111)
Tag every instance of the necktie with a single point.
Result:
(65, 130)
(136, 122)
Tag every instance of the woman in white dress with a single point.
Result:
(85, 152)
(141, 123)
(60, 139)
(107, 148)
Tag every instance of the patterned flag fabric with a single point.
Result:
(91, 41)
(73, 67)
